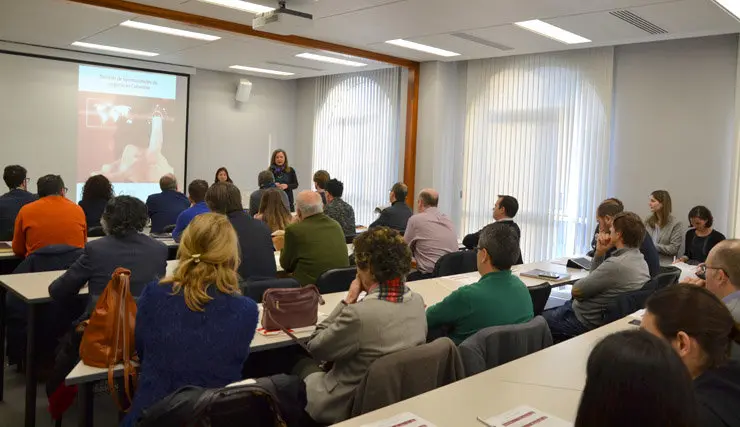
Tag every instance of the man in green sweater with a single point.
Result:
(498, 298)
(315, 243)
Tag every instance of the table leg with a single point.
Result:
(3, 321)
(31, 382)
(85, 399)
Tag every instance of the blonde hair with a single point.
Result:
(208, 256)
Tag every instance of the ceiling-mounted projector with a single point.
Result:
(282, 20)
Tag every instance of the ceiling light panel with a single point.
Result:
(330, 59)
(261, 70)
(548, 30)
(167, 30)
(244, 6)
(114, 49)
(422, 48)
(730, 6)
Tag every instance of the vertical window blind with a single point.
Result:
(538, 128)
(356, 136)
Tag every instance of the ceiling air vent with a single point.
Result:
(482, 41)
(643, 24)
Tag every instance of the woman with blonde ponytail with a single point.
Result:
(194, 327)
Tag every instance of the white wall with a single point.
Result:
(673, 124)
(223, 132)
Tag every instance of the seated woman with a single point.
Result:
(641, 376)
(701, 330)
(273, 212)
(358, 332)
(665, 230)
(123, 246)
(96, 193)
(701, 238)
(194, 327)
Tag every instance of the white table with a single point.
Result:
(350, 249)
(454, 282)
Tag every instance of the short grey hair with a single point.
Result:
(265, 177)
(309, 206)
(502, 244)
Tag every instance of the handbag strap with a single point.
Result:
(122, 327)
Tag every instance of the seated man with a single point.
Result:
(255, 241)
(315, 243)
(339, 210)
(12, 201)
(123, 220)
(722, 272)
(498, 298)
(266, 181)
(430, 234)
(165, 207)
(51, 220)
(605, 214)
(625, 271)
(504, 212)
(197, 196)
(397, 215)
(320, 178)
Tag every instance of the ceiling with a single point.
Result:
(365, 24)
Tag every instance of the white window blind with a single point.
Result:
(356, 136)
(538, 128)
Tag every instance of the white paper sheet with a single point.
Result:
(407, 419)
(525, 416)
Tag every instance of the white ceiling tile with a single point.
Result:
(688, 16)
(131, 38)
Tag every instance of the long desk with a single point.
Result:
(350, 250)
(550, 380)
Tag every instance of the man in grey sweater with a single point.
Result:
(625, 271)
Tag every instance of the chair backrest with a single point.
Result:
(408, 373)
(336, 280)
(254, 289)
(455, 263)
(626, 304)
(539, 294)
(666, 277)
(95, 231)
(494, 346)
(168, 228)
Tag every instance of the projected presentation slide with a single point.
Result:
(129, 128)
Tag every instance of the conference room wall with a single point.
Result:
(673, 127)
(239, 136)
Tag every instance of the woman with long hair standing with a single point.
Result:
(96, 193)
(665, 230)
(194, 327)
(273, 212)
(285, 176)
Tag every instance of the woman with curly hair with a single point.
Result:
(96, 193)
(388, 319)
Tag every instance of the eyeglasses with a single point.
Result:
(27, 180)
(703, 269)
(66, 190)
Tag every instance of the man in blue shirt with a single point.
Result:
(167, 205)
(197, 195)
(12, 201)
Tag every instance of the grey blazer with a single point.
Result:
(668, 239)
(353, 337)
(734, 306)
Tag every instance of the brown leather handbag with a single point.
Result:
(109, 334)
(290, 308)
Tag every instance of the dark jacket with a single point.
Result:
(471, 240)
(648, 250)
(697, 248)
(256, 198)
(718, 395)
(255, 245)
(49, 258)
(10, 203)
(165, 207)
(93, 211)
(312, 246)
(286, 177)
(395, 216)
(144, 256)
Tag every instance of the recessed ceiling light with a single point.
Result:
(548, 30)
(422, 47)
(113, 49)
(730, 6)
(167, 30)
(261, 70)
(330, 59)
(240, 5)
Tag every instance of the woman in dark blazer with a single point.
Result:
(285, 176)
(96, 193)
(701, 238)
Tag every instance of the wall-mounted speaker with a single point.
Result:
(244, 90)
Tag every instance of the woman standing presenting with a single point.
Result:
(285, 176)
(664, 228)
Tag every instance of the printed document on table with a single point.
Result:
(525, 416)
(407, 419)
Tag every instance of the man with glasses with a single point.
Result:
(395, 216)
(12, 201)
(51, 220)
(721, 275)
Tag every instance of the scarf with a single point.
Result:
(392, 290)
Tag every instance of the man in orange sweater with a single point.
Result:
(51, 220)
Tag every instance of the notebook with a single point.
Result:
(582, 263)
